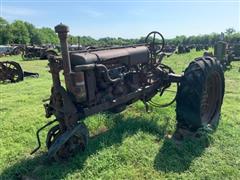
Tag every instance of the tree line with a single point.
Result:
(20, 32)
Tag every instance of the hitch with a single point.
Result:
(27, 74)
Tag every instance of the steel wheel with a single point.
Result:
(78, 142)
(52, 135)
(71, 147)
(10, 71)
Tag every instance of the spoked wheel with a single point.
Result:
(10, 71)
(200, 95)
(52, 135)
(77, 142)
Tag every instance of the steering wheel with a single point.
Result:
(155, 47)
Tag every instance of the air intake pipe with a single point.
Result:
(62, 31)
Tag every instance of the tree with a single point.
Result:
(24, 33)
(3, 21)
(37, 37)
(48, 36)
(20, 32)
(34, 34)
(88, 41)
(5, 34)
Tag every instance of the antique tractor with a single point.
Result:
(169, 49)
(183, 49)
(11, 71)
(226, 54)
(37, 52)
(110, 79)
(9, 50)
(199, 47)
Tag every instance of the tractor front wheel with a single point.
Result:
(77, 142)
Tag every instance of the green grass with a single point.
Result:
(129, 145)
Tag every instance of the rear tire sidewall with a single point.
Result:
(190, 94)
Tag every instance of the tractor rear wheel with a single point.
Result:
(200, 94)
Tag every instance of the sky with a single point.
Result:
(127, 18)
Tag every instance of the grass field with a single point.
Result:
(129, 145)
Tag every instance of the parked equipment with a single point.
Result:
(226, 53)
(37, 52)
(110, 79)
(183, 49)
(11, 71)
(9, 50)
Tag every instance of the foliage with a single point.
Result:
(5, 35)
(23, 32)
(20, 32)
(49, 35)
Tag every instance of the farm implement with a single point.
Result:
(227, 53)
(11, 71)
(9, 50)
(183, 49)
(110, 79)
(37, 52)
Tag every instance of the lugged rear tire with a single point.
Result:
(200, 94)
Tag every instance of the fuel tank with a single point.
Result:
(125, 55)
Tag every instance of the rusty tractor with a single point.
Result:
(9, 50)
(183, 49)
(37, 52)
(169, 49)
(110, 79)
(11, 71)
(226, 53)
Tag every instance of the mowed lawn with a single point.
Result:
(129, 145)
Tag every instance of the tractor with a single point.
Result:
(37, 52)
(110, 79)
